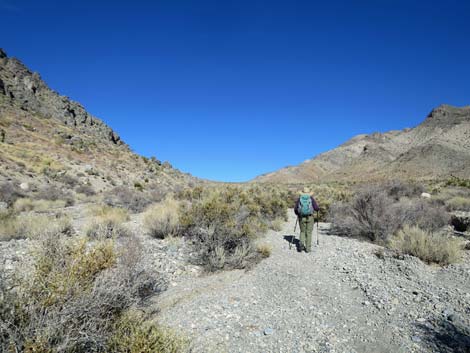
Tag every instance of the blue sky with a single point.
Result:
(227, 90)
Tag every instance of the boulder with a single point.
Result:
(425, 195)
(24, 186)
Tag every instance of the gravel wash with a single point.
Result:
(342, 297)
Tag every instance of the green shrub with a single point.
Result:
(429, 247)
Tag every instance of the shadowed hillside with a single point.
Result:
(438, 147)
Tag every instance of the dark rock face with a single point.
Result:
(29, 91)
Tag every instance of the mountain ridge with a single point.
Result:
(437, 147)
(46, 138)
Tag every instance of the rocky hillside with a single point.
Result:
(438, 147)
(48, 138)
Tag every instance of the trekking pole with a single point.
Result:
(292, 238)
(318, 240)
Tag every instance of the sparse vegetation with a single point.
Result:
(132, 334)
(124, 197)
(54, 193)
(224, 222)
(162, 219)
(85, 190)
(377, 212)
(107, 222)
(458, 203)
(9, 193)
(14, 226)
(27, 204)
(75, 298)
(429, 247)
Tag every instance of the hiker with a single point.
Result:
(304, 207)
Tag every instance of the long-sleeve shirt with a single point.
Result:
(314, 204)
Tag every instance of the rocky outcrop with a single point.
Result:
(27, 90)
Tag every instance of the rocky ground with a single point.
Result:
(342, 297)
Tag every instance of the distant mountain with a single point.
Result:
(438, 147)
(47, 138)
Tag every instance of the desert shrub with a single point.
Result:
(398, 189)
(85, 190)
(68, 180)
(9, 193)
(125, 197)
(53, 193)
(132, 334)
(427, 246)
(458, 203)
(75, 297)
(107, 222)
(375, 215)
(223, 222)
(162, 219)
(426, 214)
(366, 215)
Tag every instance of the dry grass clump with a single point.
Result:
(456, 198)
(458, 203)
(429, 247)
(264, 249)
(27, 204)
(14, 226)
(223, 222)
(75, 298)
(132, 334)
(107, 222)
(162, 219)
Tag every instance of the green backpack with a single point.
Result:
(305, 207)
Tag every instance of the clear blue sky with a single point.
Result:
(227, 90)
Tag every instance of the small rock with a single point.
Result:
(24, 186)
(366, 303)
(421, 319)
(416, 339)
(3, 205)
(452, 317)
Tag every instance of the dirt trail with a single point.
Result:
(339, 298)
